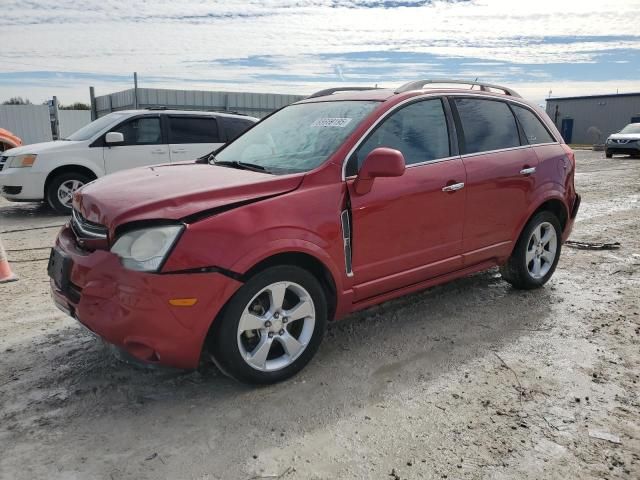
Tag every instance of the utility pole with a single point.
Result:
(135, 90)
(94, 107)
(55, 118)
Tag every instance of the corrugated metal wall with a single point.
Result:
(72, 120)
(254, 104)
(30, 122)
(608, 114)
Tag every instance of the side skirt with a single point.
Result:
(423, 285)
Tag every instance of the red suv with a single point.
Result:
(343, 200)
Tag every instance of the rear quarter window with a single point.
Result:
(487, 125)
(186, 129)
(533, 128)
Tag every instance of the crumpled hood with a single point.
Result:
(173, 191)
(624, 136)
(43, 147)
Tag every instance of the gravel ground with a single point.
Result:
(469, 380)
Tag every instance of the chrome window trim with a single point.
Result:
(498, 150)
(443, 96)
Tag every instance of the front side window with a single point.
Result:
(418, 130)
(193, 130)
(141, 131)
(90, 130)
(533, 128)
(297, 138)
(487, 125)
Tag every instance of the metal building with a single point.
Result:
(591, 119)
(254, 104)
(30, 122)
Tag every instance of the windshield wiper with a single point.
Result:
(238, 164)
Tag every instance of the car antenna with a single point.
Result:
(474, 83)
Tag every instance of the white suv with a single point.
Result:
(52, 171)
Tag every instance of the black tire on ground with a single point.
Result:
(608, 155)
(223, 340)
(516, 271)
(51, 195)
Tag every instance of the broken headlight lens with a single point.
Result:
(145, 250)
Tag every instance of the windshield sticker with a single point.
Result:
(331, 122)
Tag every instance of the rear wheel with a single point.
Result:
(536, 255)
(271, 327)
(60, 190)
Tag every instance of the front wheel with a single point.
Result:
(608, 155)
(536, 255)
(60, 191)
(271, 327)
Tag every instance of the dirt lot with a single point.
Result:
(468, 380)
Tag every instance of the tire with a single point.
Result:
(72, 181)
(608, 155)
(239, 350)
(521, 270)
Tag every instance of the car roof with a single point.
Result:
(186, 112)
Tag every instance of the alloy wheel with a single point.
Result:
(66, 191)
(276, 326)
(542, 249)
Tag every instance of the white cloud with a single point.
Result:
(180, 39)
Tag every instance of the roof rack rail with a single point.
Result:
(419, 85)
(156, 107)
(329, 91)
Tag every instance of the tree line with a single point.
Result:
(26, 101)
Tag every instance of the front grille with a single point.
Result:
(85, 229)
(3, 160)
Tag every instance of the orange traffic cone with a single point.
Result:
(6, 275)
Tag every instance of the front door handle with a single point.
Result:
(158, 152)
(178, 150)
(528, 171)
(454, 187)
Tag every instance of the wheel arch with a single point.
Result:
(551, 203)
(73, 168)
(307, 261)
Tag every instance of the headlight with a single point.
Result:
(20, 161)
(145, 250)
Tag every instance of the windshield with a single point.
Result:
(299, 137)
(631, 128)
(93, 128)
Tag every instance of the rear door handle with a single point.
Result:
(454, 187)
(528, 171)
(158, 152)
(178, 150)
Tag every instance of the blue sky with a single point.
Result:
(53, 47)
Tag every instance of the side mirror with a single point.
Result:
(381, 162)
(114, 137)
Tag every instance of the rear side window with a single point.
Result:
(141, 131)
(234, 127)
(533, 128)
(418, 130)
(487, 125)
(193, 130)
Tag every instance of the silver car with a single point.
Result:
(625, 142)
